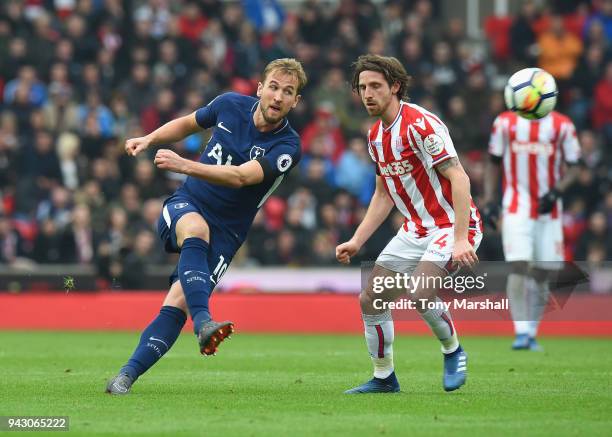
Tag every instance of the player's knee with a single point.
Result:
(365, 301)
(371, 303)
(191, 226)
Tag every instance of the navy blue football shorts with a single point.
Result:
(222, 246)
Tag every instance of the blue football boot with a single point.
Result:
(521, 342)
(455, 369)
(377, 385)
(534, 346)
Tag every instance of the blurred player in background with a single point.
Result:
(532, 154)
(207, 219)
(419, 173)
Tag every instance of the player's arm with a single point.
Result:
(492, 173)
(174, 130)
(571, 152)
(491, 179)
(234, 176)
(378, 211)
(451, 169)
(497, 148)
(547, 202)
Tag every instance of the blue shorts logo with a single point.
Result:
(181, 205)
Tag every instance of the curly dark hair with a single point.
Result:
(388, 66)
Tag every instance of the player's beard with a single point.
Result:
(272, 119)
(378, 109)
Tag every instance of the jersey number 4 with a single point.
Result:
(440, 241)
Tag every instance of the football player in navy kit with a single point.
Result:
(207, 219)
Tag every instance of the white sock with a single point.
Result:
(379, 335)
(538, 299)
(441, 325)
(517, 296)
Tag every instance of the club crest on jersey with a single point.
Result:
(181, 205)
(284, 162)
(256, 152)
(399, 145)
(433, 144)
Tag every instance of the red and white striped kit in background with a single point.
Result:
(533, 152)
(406, 152)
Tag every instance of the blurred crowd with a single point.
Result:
(78, 77)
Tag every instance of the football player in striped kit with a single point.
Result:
(419, 173)
(531, 155)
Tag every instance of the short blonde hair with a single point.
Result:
(287, 66)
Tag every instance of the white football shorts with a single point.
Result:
(538, 241)
(406, 249)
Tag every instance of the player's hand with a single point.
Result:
(546, 203)
(134, 146)
(490, 214)
(464, 254)
(345, 251)
(168, 160)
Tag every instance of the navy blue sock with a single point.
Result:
(155, 341)
(195, 279)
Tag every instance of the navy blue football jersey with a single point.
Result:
(236, 140)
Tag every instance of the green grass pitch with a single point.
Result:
(292, 385)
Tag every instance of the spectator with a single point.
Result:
(324, 129)
(26, 79)
(559, 50)
(135, 263)
(160, 113)
(11, 244)
(57, 208)
(603, 18)
(96, 118)
(602, 105)
(355, 171)
(596, 236)
(522, 35)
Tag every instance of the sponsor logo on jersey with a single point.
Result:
(433, 144)
(284, 162)
(220, 125)
(396, 168)
(420, 123)
(256, 152)
(181, 205)
(534, 148)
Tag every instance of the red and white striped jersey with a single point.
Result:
(533, 152)
(406, 153)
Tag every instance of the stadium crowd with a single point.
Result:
(78, 77)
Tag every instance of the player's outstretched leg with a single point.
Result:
(155, 341)
(193, 234)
